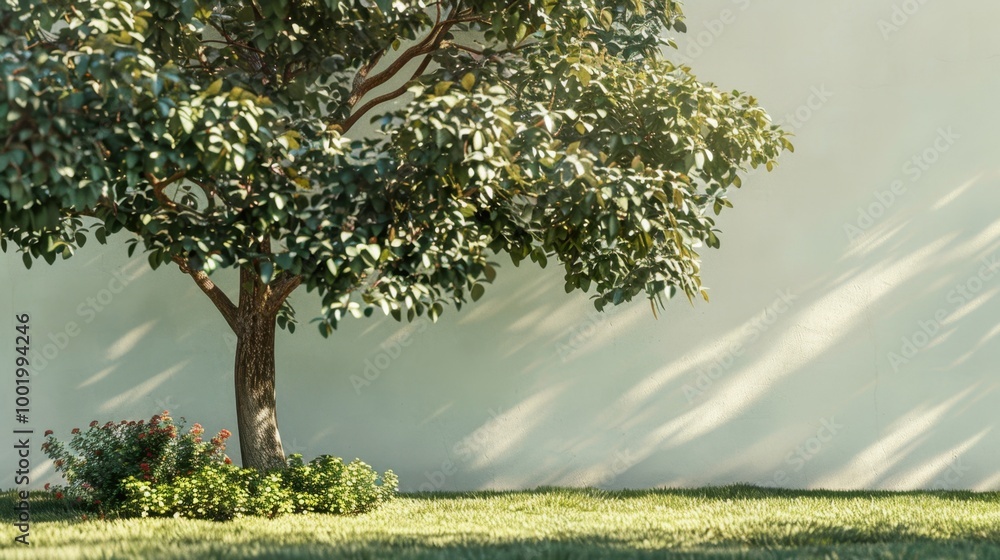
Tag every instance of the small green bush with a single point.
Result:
(268, 495)
(215, 491)
(221, 492)
(327, 485)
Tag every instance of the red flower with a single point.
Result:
(93, 423)
(109, 424)
(228, 461)
(149, 454)
(59, 495)
(75, 431)
(224, 433)
(142, 435)
(144, 466)
(123, 422)
(98, 452)
(197, 440)
(59, 462)
(48, 432)
(97, 502)
(47, 485)
(197, 429)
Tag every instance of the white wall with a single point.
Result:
(530, 388)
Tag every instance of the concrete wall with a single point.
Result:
(850, 341)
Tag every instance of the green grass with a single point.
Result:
(729, 522)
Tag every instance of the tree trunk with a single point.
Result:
(256, 414)
(253, 321)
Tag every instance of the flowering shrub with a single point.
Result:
(97, 461)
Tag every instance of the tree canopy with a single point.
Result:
(224, 135)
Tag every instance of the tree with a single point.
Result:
(219, 135)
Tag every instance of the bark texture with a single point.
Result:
(256, 413)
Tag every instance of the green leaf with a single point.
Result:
(266, 271)
(468, 81)
(477, 292)
(214, 88)
(441, 88)
(613, 227)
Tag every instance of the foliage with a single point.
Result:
(216, 491)
(222, 492)
(269, 496)
(97, 461)
(222, 135)
(219, 134)
(139, 468)
(326, 485)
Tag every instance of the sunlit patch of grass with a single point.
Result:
(725, 522)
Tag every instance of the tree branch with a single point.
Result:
(426, 48)
(356, 116)
(209, 193)
(214, 293)
(159, 185)
(281, 288)
(428, 45)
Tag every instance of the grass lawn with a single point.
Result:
(729, 522)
